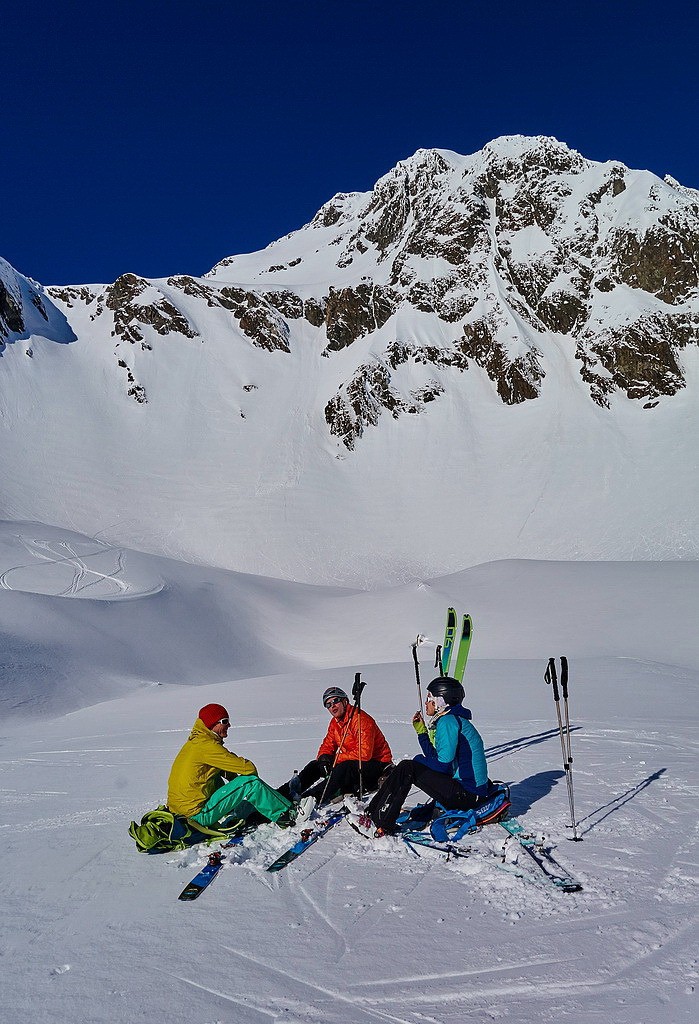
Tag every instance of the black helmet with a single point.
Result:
(449, 689)
(334, 691)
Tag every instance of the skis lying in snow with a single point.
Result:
(204, 878)
(550, 868)
(413, 839)
(309, 836)
(211, 869)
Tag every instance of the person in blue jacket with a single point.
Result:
(452, 769)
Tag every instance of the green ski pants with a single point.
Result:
(248, 789)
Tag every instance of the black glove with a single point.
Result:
(325, 763)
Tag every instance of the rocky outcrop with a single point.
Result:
(136, 303)
(26, 309)
(134, 389)
(257, 318)
(352, 313)
(517, 378)
(639, 359)
(11, 317)
(369, 393)
(664, 260)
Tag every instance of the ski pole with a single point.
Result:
(357, 694)
(417, 671)
(551, 678)
(358, 687)
(564, 691)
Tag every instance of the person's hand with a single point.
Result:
(419, 723)
(325, 763)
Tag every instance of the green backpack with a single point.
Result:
(161, 831)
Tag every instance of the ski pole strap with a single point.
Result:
(453, 826)
(564, 676)
(551, 677)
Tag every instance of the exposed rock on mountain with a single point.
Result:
(498, 251)
(25, 311)
(517, 243)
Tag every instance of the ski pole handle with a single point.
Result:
(564, 676)
(551, 678)
(357, 688)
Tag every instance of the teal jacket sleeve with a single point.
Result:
(440, 757)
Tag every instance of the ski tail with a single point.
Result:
(449, 638)
(551, 870)
(464, 647)
(203, 879)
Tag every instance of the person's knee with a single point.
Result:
(403, 770)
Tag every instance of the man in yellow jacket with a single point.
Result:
(197, 787)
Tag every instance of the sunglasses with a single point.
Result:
(333, 702)
(224, 721)
(429, 700)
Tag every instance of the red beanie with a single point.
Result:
(211, 714)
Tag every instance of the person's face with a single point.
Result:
(429, 705)
(221, 728)
(337, 707)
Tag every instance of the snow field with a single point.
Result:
(353, 931)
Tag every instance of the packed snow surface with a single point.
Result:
(107, 656)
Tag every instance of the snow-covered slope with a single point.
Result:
(83, 621)
(485, 357)
(352, 933)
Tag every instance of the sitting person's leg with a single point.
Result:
(244, 788)
(343, 778)
(444, 789)
(299, 783)
(386, 804)
(372, 771)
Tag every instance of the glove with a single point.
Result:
(325, 763)
(419, 723)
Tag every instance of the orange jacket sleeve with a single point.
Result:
(331, 741)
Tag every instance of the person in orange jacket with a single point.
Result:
(353, 737)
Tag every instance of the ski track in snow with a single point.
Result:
(97, 572)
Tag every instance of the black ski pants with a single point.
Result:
(385, 806)
(344, 778)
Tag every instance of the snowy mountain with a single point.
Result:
(485, 357)
(488, 359)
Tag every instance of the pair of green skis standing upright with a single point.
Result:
(444, 654)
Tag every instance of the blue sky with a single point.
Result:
(160, 137)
